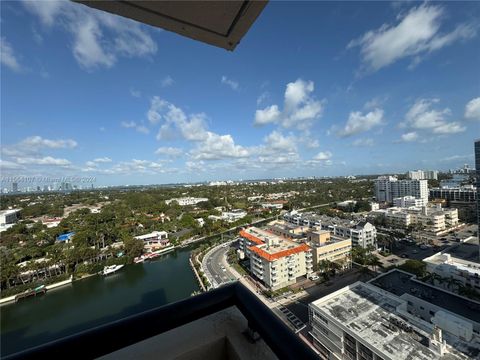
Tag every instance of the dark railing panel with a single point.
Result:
(119, 334)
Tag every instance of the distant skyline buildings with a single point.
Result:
(265, 110)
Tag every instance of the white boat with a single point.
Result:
(107, 270)
(139, 259)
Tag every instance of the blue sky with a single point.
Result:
(313, 89)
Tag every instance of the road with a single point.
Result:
(215, 265)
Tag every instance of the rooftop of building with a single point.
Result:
(270, 246)
(9, 211)
(467, 251)
(399, 282)
(370, 314)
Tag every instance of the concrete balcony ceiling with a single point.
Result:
(218, 23)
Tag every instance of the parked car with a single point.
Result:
(314, 277)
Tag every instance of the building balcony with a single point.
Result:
(211, 325)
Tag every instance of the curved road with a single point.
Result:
(215, 264)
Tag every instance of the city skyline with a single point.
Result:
(91, 94)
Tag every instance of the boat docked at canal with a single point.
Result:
(39, 290)
(107, 270)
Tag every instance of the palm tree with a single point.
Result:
(374, 261)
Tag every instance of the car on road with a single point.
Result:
(423, 247)
(404, 256)
(414, 251)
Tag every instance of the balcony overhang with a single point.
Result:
(218, 23)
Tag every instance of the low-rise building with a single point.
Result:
(274, 260)
(362, 233)
(432, 219)
(234, 215)
(331, 248)
(409, 201)
(363, 321)
(8, 218)
(186, 201)
(155, 240)
(277, 206)
(458, 265)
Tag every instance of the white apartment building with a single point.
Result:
(423, 175)
(365, 322)
(361, 233)
(447, 266)
(186, 201)
(276, 261)
(388, 188)
(409, 201)
(415, 188)
(383, 188)
(432, 219)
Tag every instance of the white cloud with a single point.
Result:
(449, 128)
(142, 129)
(7, 56)
(9, 165)
(99, 38)
(37, 142)
(270, 114)
(456, 158)
(133, 125)
(169, 151)
(409, 137)
(128, 124)
(47, 160)
(167, 81)
(300, 108)
(416, 35)
(263, 97)
(472, 109)
(156, 106)
(358, 122)
(232, 83)
(363, 142)
(422, 116)
(135, 93)
(102, 160)
(191, 127)
(322, 156)
(217, 147)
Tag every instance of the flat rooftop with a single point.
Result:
(398, 282)
(466, 251)
(370, 315)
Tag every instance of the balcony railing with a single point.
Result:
(119, 334)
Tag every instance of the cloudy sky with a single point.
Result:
(314, 89)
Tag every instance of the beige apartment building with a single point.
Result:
(328, 247)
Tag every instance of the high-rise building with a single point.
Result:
(388, 188)
(477, 172)
(383, 188)
(422, 175)
(14, 187)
